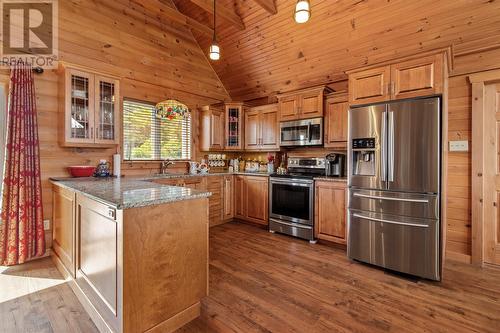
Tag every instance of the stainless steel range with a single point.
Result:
(291, 198)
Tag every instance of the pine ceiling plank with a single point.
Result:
(224, 12)
(166, 12)
(268, 5)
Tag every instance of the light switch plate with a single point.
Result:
(46, 224)
(459, 145)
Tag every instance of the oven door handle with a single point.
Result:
(292, 184)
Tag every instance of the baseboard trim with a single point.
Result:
(178, 321)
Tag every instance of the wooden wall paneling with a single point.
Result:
(155, 59)
(222, 11)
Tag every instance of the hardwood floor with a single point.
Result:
(260, 282)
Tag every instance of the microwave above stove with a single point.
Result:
(307, 132)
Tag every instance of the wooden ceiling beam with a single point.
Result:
(226, 13)
(164, 11)
(268, 5)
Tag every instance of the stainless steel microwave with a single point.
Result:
(307, 132)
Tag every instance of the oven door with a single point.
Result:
(307, 132)
(291, 200)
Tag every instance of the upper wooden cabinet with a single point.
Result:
(261, 128)
(234, 126)
(405, 79)
(369, 86)
(329, 211)
(212, 128)
(90, 115)
(302, 104)
(336, 111)
(417, 77)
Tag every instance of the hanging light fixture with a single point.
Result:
(171, 109)
(302, 11)
(214, 52)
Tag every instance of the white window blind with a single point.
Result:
(146, 137)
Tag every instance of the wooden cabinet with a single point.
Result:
(234, 126)
(370, 86)
(251, 198)
(261, 128)
(302, 104)
(417, 77)
(212, 128)
(336, 112)
(63, 225)
(215, 201)
(90, 115)
(405, 79)
(228, 198)
(330, 211)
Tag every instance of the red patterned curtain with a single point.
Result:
(21, 226)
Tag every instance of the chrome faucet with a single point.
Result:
(164, 165)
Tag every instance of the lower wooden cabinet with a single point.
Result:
(228, 198)
(251, 198)
(330, 211)
(63, 225)
(214, 185)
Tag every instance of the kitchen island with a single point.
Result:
(134, 251)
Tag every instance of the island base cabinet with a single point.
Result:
(142, 269)
(165, 266)
(330, 211)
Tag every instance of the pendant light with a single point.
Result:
(302, 11)
(214, 52)
(171, 109)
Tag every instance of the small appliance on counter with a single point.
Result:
(102, 169)
(335, 165)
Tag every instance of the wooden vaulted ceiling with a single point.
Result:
(263, 51)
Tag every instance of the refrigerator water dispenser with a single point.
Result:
(363, 157)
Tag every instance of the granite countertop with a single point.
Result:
(123, 193)
(130, 192)
(332, 179)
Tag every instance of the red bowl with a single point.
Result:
(81, 171)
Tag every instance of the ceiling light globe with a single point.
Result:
(302, 11)
(214, 52)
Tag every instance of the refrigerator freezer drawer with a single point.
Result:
(395, 203)
(407, 245)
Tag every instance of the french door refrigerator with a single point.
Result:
(394, 186)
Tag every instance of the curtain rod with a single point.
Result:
(37, 70)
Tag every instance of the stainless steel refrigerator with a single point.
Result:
(394, 163)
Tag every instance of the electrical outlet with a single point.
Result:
(46, 224)
(459, 145)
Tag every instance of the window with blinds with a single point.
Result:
(146, 137)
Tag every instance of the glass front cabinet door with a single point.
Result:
(90, 115)
(234, 126)
(106, 102)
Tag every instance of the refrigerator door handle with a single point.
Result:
(383, 146)
(389, 221)
(389, 198)
(390, 135)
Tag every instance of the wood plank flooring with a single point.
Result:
(260, 282)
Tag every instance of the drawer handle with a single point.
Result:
(111, 213)
(390, 221)
(389, 198)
